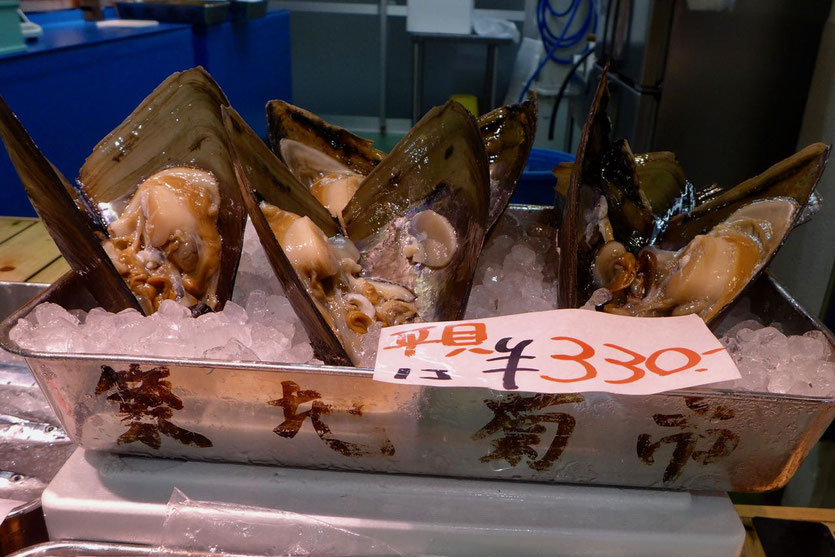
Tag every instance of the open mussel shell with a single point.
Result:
(707, 275)
(263, 177)
(795, 177)
(64, 215)
(508, 133)
(586, 186)
(178, 125)
(618, 203)
(439, 169)
(308, 164)
(659, 177)
(286, 121)
(311, 148)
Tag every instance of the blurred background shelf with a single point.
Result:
(76, 82)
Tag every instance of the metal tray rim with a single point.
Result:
(24, 508)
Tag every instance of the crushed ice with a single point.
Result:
(793, 364)
(257, 324)
(513, 276)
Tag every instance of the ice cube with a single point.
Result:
(522, 255)
(781, 382)
(281, 309)
(173, 311)
(598, 298)
(750, 324)
(501, 245)
(269, 344)
(98, 317)
(54, 337)
(235, 313)
(825, 346)
(803, 347)
(748, 336)
(754, 376)
(21, 333)
(300, 353)
(232, 351)
(256, 306)
(491, 274)
(48, 314)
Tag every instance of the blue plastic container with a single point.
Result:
(537, 184)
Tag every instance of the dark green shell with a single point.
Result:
(262, 176)
(440, 165)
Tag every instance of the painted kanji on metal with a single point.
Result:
(293, 397)
(147, 405)
(520, 423)
(712, 443)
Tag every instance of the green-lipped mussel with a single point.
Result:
(621, 209)
(415, 219)
(157, 212)
(412, 231)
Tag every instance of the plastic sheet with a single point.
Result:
(488, 26)
(244, 530)
(527, 59)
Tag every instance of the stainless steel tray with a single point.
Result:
(75, 548)
(338, 418)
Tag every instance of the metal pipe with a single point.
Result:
(492, 68)
(417, 78)
(383, 43)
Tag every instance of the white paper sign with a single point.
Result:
(558, 351)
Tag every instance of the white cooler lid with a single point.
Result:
(104, 497)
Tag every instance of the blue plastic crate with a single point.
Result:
(537, 184)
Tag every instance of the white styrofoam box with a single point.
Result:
(105, 497)
(439, 16)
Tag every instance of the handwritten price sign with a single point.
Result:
(559, 351)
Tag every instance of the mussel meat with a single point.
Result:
(708, 273)
(166, 243)
(331, 183)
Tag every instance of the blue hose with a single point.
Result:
(553, 42)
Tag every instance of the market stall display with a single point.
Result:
(230, 400)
